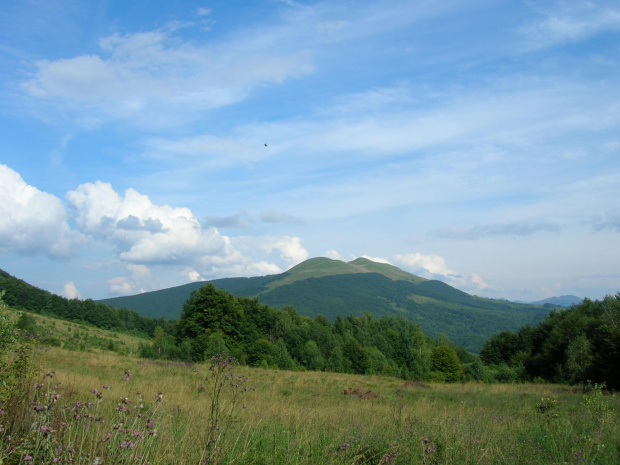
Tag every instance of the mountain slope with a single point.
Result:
(168, 303)
(321, 286)
(438, 308)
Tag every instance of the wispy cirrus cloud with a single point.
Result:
(168, 76)
(569, 22)
(507, 113)
(526, 228)
(144, 76)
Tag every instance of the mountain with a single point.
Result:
(321, 286)
(562, 301)
(168, 303)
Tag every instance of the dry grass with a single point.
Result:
(304, 417)
(307, 417)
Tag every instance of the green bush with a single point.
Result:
(444, 360)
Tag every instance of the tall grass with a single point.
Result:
(105, 408)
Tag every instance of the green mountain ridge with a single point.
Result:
(320, 267)
(322, 286)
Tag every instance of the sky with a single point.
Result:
(148, 144)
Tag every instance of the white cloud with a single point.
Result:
(33, 222)
(334, 255)
(156, 77)
(434, 267)
(478, 281)
(147, 234)
(141, 231)
(417, 262)
(139, 272)
(571, 21)
(194, 276)
(285, 248)
(121, 285)
(377, 259)
(501, 124)
(138, 281)
(70, 291)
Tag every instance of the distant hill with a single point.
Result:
(321, 286)
(562, 301)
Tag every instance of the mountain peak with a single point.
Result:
(320, 267)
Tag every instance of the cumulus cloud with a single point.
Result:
(33, 222)
(285, 248)
(377, 259)
(141, 231)
(194, 276)
(334, 255)
(121, 285)
(432, 264)
(138, 281)
(434, 267)
(508, 229)
(70, 291)
(147, 235)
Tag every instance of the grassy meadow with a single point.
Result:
(95, 406)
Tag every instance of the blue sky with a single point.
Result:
(474, 142)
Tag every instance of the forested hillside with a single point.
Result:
(573, 345)
(322, 286)
(21, 295)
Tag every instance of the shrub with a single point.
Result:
(444, 360)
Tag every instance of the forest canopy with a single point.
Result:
(573, 345)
